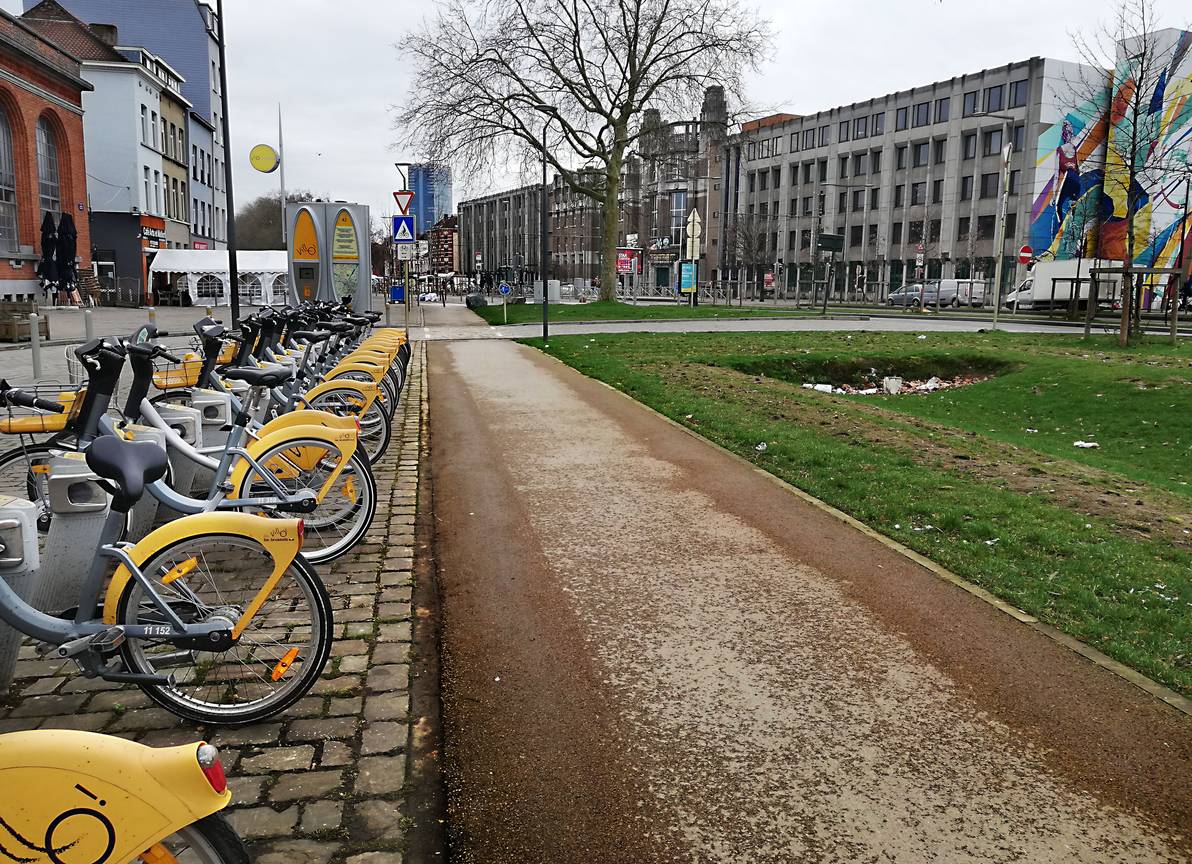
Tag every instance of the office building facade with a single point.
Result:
(431, 185)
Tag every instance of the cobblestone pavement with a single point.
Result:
(324, 781)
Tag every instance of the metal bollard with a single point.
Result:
(388, 321)
(35, 344)
(88, 325)
(210, 311)
(153, 315)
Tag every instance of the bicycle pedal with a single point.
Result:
(105, 640)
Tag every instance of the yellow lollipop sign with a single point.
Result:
(264, 158)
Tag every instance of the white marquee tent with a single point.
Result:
(202, 275)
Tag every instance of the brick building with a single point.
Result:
(443, 241)
(42, 165)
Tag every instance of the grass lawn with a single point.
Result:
(531, 313)
(983, 479)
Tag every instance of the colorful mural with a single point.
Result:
(1082, 175)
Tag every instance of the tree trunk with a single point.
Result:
(609, 213)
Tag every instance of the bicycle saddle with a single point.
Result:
(258, 377)
(127, 464)
(374, 317)
(312, 335)
(335, 326)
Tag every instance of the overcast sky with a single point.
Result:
(333, 67)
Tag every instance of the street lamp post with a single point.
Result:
(233, 271)
(999, 243)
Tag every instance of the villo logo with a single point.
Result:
(84, 830)
(279, 532)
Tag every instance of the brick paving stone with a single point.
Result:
(279, 759)
(345, 647)
(391, 579)
(355, 614)
(383, 679)
(353, 663)
(393, 611)
(391, 652)
(307, 706)
(375, 858)
(387, 706)
(142, 719)
(335, 755)
(49, 706)
(178, 736)
(246, 790)
(321, 729)
(294, 852)
(124, 699)
(322, 816)
(356, 631)
(83, 684)
(343, 685)
(43, 687)
(383, 737)
(266, 733)
(82, 722)
(341, 705)
(380, 775)
(396, 594)
(253, 823)
(395, 632)
(376, 820)
(305, 785)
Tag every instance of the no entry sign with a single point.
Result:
(1024, 255)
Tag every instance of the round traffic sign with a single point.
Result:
(505, 289)
(1025, 254)
(264, 158)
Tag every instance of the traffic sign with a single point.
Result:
(920, 259)
(1025, 254)
(403, 199)
(505, 289)
(769, 279)
(403, 230)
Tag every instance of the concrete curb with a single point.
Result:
(676, 320)
(1153, 688)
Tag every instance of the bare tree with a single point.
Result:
(1142, 60)
(491, 74)
(258, 224)
(747, 239)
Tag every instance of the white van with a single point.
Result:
(962, 292)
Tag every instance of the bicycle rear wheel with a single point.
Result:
(374, 423)
(278, 656)
(211, 840)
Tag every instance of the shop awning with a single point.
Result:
(216, 261)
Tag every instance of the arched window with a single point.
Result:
(281, 284)
(208, 287)
(250, 289)
(49, 188)
(8, 188)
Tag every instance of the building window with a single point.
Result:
(995, 98)
(966, 188)
(1013, 190)
(918, 193)
(843, 131)
(879, 124)
(861, 127)
(969, 145)
(9, 237)
(751, 151)
(841, 202)
(157, 192)
(985, 226)
(937, 191)
(858, 200)
(855, 234)
(194, 214)
(807, 205)
(900, 119)
(875, 161)
(989, 185)
(971, 103)
(148, 206)
(962, 228)
(763, 180)
(49, 188)
(916, 232)
(933, 230)
(900, 156)
(899, 195)
(794, 142)
(807, 172)
(194, 161)
(752, 180)
(896, 234)
(1018, 134)
(1019, 90)
(144, 125)
(825, 136)
(776, 178)
(823, 170)
(919, 155)
(991, 143)
(152, 142)
(874, 198)
(842, 170)
(1011, 226)
(922, 114)
(808, 139)
(858, 164)
(940, 148)
(943, 109)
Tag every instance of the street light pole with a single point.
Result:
(233, 270)
(544, 250)
(999, 247)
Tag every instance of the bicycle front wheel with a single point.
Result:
(276, 660)
(374, 423)
(211, 840)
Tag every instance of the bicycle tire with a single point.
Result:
(326, 513)
(375, 427)
(210, 840)
(314, 660)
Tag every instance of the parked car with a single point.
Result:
(913, 295)
(961, 292)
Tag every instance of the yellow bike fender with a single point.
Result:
(279, 537)
(101, 797)
(371, 355)
(306, 418)
(366, 389)
(373, 370)
(343, 439)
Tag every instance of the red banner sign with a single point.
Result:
(629, 261)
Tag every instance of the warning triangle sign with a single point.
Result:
(403, 199)
(404, 233)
